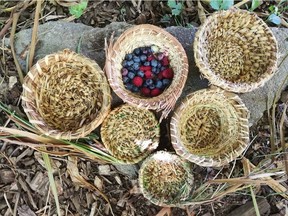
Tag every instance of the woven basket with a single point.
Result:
(140, 36)
(66, 95)
(130, 134)
(166, 179)
(210, 128)
(235, 50)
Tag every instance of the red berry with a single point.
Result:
(145, 68)
(160, 75)
(145, 91)
(137, 81)
(165, 61)
(168, 73)
(148, 74)
(150, 58)
(155, 92)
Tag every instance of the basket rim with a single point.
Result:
(29, 103)
(214, 79)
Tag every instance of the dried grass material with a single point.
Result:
(236, 50)
(166, 179)
(210, 128)
(130, 134)
(66, 95)
(141, 36)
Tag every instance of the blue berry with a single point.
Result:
(166, 82)
(140, 73)
(131, 75)
(128, 57)
(136, 66)
(152, 86)
(135, 89)
(136, 59)
(126, 80)
(130, 63)
(163, 68)
(148, 82)
(154, 69)
(159, 84)
(157, 71)
(124, 64)
(154, 63)
(143, 58)
(159, 65)
(147, 63)
(129, 86)
(137, 51)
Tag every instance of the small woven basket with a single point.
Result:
(166, 179)
(130, 134)
(210, 128)
(235, 50)
(66, 95)
(141, 36)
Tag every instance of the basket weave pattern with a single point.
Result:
(141, 36)
(130, 134)
(235, 50)
(66, 95)
(210, 128)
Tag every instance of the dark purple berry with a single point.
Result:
(135, 89)
(147, 63)
(129, 86)
(126, 80)
(140, 73)
(128, 57)
(154, 63)
(131, 75)
(148, 82)
(166, 82)
(152, 86)
(136, 59)
(124, 71)
(143, 58)
(159, 84)
(159, 65)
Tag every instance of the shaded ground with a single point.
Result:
(24, 185)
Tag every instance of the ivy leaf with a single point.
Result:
(274, 19)
(215, 4)
(255, 4)
(227, 4)
(77, 10)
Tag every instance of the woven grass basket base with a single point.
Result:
(130, 134)
(236, 50)
(140, 36)
(166, 179)
(66, 95)
(210, 128)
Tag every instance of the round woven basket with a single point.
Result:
(130, 134)
(66, 95)
(141, 36)
(235, 50)
(166, 179)
(210, 128)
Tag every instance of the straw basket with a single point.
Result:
(166, 179)
(130, 134)
(66, 95)
(235, 50)
(147, 35)
(210, 128)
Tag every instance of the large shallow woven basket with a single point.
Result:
(166, 179)
(130, 134)
(210, 128)
(235, 50)
(147, 35)
(66, 95)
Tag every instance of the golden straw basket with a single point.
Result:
(236, 50)
(210, 128)
(166, 179)
(130, 134)
(147, 35)
(66, 95)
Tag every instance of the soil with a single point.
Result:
(24, 184)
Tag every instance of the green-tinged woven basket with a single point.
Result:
(130, 134)
(166, 179)
(210, 128)
(141, 36)
(66, 95)
(236, 50)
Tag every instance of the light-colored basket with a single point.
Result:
(140, 36)
(235, 50)
(210, 128)
(166, 179)
(66, 95)
(130, 134)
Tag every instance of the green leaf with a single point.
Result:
(226, 4)
(77, 10)
(273, 18)
(215, 4)
(255, 4)
(271, 8)
(171, 3)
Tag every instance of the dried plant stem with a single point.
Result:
(282, 138)
(254, 202)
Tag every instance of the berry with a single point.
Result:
(147, 63)
(162, 68)
(136, 51)
(159, 84)
(168, 73)
(136, 59)
(148, 74)
(155, 92)
(137, 81)
(129, 86)
(130, 63)
(128, 57)
(145, 91)
(145, 68)
(126, 80)
(140, 73)
(159, 65)
(131, 75)
(136, 66)
(124, 71)
(154, 69)
(165, 61)
(135, 89)
(154, 63)
(160, 75)
(124, 63)
(148, 82)
(151, 86)
(143, 58)
(150, 58)
(166, 82)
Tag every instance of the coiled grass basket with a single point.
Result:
(66, 95)
(141, 36)
(130, 134)
(210, 128)
(236, 50)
